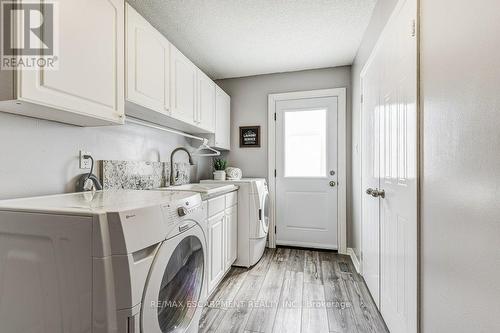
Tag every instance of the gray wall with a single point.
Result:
(249, 107)
(381, 13)
(460, 212)
(40, 157)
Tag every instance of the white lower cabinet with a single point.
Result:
(231, 233)
(222, 238)
(216, 250)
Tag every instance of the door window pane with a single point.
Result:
(305, 143)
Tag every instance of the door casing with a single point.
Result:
(340, 93)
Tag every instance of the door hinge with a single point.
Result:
(413, 28)
(275, 116)
(275, 173)
(275, 229)
(361, 98)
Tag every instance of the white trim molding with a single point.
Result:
(340, 93)
(354, 259)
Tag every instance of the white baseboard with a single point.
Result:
(354, 259)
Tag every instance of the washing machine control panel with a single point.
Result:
(188, 208)
(176, 213)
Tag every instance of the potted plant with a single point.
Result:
(220, 167)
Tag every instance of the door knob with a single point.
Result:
(332, 183)
(378, 193)
(369, 191)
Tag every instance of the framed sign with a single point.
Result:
(249, 136)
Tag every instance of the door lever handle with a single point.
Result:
(378, 193)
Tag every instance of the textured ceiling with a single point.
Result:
(234, 38)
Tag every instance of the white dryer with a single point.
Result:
(253, 218)
(112, 261)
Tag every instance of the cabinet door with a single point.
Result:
(206, 102)
(216, 250)
(222, 119)
(90, 77)
(231, 232)
(183, 87)
(148, 63)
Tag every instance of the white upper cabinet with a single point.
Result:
(205, 117)
(183, 79)
(222, 119)
(87, 88)
(162, 85)
(148, 64)
(92, 84)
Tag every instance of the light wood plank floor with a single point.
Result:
(293, 290)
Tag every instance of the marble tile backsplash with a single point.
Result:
(138, 175)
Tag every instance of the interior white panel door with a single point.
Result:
(370, 251)
(90, 78)
(390, 94)
(148, 63)
(306, 176)
(398, 167)
(183, 87)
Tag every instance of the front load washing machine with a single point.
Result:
(253, 218)
(109, 261)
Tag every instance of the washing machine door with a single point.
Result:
(175, 284)
(264, 213)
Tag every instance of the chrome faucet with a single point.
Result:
(172, 178)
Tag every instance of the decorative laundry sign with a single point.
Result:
(249, 136)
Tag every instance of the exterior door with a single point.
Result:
(390, 86)
(306, 172)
